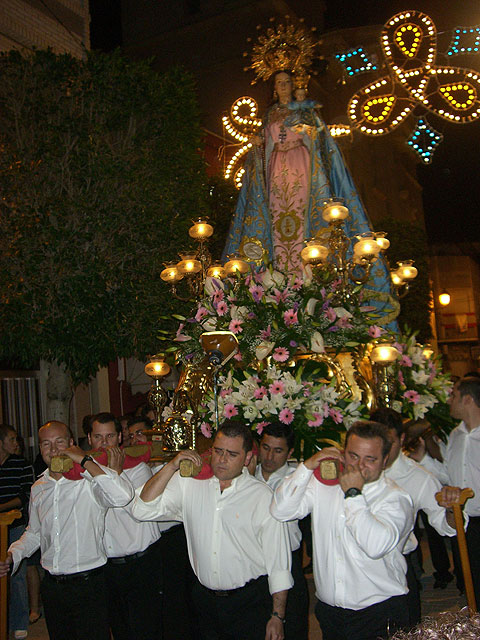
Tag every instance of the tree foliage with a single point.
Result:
(100, 177)
(409, 241)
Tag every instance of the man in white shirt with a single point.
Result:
(238, 552)
(67, 520)
(359, 529)
(461, 466)
(133, 570)
(275, 448)
(421, 486)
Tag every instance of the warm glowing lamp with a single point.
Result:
(236, 265)
(216, 271)
(314, 253)
(406, 270)
(157, 367)
(384, 354)
(428, 351)
(334, 210)
(382, 240)
(444, 298)
(396, 279)
(189, 263)
(200, 230)
(171, 273)
(367, 247)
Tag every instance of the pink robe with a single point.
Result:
(288, 176)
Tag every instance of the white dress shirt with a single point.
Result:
(231, 536)
(461, 466)
(294, 533)
(421, 486)
(124, 534)
(357, 542)
(67, 520)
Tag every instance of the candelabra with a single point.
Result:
(195, 266)
(382, 356)
(328, 252)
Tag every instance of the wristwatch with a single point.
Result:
(275, 614)
(352, 492)
(86, 459)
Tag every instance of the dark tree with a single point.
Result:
(100, 176)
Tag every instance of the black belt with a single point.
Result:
(81, 576)
(133, 556)
(231, 592)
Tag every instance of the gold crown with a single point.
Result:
(283, 47)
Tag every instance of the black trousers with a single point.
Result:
(438, 549)
(473, 544)
(77, 608)
(242, 615)
(413, 595)
(178, 617)
(296, 626)
(380, 620)
(134, 596)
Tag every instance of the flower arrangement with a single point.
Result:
(315, 409)
(423, 389)
(274, 315)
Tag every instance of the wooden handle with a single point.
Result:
(6, 518)
(465, 494)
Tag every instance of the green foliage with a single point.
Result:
(100, 177)
(409, 241)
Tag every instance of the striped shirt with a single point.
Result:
(16, 479)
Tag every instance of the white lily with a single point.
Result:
(317, 344)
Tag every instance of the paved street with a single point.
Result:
(433, 601)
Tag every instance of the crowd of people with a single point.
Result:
(145, 553)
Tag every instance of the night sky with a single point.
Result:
(451, 183)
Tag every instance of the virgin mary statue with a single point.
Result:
(293, 167)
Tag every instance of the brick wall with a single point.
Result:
(63, 25)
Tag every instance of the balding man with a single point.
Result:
(67, 519)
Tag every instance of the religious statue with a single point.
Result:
(293, 167)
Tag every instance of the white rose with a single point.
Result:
(238, 313)
(342, 313)
(310, 308)
(307, 275)
(316, 344)
(210, 324)
(212, 285)
(263, 349)
(273, 279)
(250, 413)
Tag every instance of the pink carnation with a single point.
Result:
(230, 410)
(257, 292)
(201, 314)
(336, 416)
(317, 420)
(206, 429)
(406, 361)
(280, 354)
(276, 387)
(412, 396)
(297, 284)
(331, 315)
(235, 326)
(286, 416)
(261, 426)
(266, 333)
(218, 296)
(290, 317)
(375, 332)
(222, 308)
